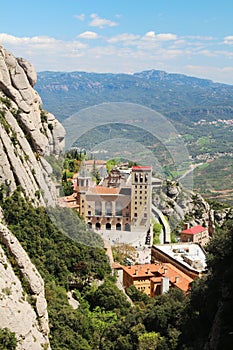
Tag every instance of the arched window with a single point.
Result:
(89, 225)
(97, 226)
(98, 208)
(118, 226)
(108, 226)
(127, 227)
(108, 209)
(118, 209)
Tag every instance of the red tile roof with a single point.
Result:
(194, 230)
(141, 167)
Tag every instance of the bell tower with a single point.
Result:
(141, 198)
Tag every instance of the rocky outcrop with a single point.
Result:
(22, 312)
(181, 205)
(27, 133)
(28, 137)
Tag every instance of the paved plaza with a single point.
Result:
(136, 239)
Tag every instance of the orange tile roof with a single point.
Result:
(183, 281)
(176, 276)
(104, 190)
(194, 230)
(141, 270)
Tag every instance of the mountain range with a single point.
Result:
(178, 96)
(200, 110)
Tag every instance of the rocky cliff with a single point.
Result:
(28, 135)
(183, 206)
(23, 310)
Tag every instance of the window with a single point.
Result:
(127, 227)
(118, 211)
(98, 209)
(89, 212)
(108, 208)
(108, 226)
(118, 226)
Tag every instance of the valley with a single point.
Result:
(200, 110)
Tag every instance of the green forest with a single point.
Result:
(106, 319)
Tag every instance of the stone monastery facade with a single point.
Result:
(121, 201)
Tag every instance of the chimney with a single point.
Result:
(177, 279)
(165, 271)
(136, 272)
(186, 225)
(148, 270)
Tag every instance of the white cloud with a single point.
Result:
(160, 37)
(166, 37)
(88, 35)
(150, 35)
(6, 38)
(208, 53)
(80, 17)
(199, 37)
(101, 22)
(38, 42)
(228, 40)
(211, 72)
(125, 37)
(126, 52)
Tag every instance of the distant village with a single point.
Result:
(119, 208)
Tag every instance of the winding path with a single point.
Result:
(165, 236)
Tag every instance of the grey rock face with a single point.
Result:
(16, 313)
(180, 205)
(27, 133)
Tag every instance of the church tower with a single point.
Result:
(141, 198)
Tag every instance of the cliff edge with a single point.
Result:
(27, 133)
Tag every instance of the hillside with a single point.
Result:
(175, 95)
(200, 110)
(40, 263)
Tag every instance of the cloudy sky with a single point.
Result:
(193, 37)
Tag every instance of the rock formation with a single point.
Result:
(28, 137)
(181, 205)
(23, 312)
(27, 133)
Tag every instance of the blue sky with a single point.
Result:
(192, 37)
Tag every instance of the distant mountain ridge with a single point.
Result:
(65, 93)
(200, 110)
